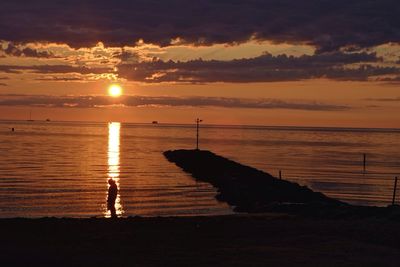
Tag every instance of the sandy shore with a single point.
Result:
(239, 240)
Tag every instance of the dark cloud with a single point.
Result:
(49, 69)
(229, 103)
(393, 99)
(3, 84)
(266, 68)
(60, 79)
(326, 24)
(127, 57)
(395, 79)
(16, 51)
(138, 101)
(4, 78)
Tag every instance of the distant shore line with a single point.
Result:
(227, 126)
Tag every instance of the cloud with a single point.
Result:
(60, 79)
(360, 66)
(49, 69)
(328, 25)
(3, 84)
(126, 56)
(230, 103)
(393, 99)
(140, 101)
(394, 80)
(265, 68)
(16, 51)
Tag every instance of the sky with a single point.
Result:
(287, 62)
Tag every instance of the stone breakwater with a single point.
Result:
(244, 187)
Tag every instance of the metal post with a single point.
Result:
(394, 191)
(197, 132)
(280, 174)
(364, 161)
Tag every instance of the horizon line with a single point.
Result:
(207, 124)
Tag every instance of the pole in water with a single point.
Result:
(280, 175)
(197, 132)
(364, 161)
(394, 191)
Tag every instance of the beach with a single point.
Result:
(253, 218)
(234, 240)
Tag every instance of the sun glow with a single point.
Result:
(114, 162)
(115, 90)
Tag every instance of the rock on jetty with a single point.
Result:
(244, 187)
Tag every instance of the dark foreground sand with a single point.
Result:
(239, 240)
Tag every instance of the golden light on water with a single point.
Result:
(115, 90)
(114, 161)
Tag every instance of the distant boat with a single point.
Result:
(47, 119)
(154, 122)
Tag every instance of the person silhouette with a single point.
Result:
(112, 196)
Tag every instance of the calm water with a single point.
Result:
(62, 168)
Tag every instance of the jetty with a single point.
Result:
(245, 188)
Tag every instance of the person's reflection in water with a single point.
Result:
(112, 196)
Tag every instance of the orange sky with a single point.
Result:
(257, 82)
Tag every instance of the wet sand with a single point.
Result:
(238, 240)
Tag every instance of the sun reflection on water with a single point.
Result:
(114, 162)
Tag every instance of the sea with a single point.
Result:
(61, 169)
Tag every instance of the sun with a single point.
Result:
(115, 90)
